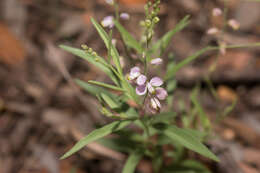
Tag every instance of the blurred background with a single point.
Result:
(43, 113)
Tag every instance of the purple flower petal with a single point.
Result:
(141, 89)
(150, 88)
(125, 16)
(155, 103)
(157, 61)
(216, 12)
(161, 93)
(108, 22)
(141, 80)
(156, 81)
(134, 72)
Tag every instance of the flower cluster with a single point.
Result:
(108, 21)
(218, 32)
(151, 88)
(216, 12)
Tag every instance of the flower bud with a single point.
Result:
(233, 24)
(148, 22)
(156, 19)
(212, 31)
(155, 104)
(125, 16)
(216, 12)
(83, 46)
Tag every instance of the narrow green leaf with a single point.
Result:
(189, 59)
(95, 135)
(105, 37)
(131, 91)
(163, 43)
(171, 72)
(188, 140)
(202, 115)
(165, 117)
(132, 162)
(186, 166)
(91, 59)
(128, 38)
(200, 135)
(94, 90)
(111, 103)
(105, 85)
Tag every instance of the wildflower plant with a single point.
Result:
(135, 100)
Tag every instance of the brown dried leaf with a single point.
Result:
(12, 50)
(226, 94)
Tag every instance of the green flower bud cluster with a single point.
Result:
(89, 50)
(151, 12)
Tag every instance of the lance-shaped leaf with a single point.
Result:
(105, 38)
(188, 140)
(189, 59)
(132, 162)
(94, 90)
(95, 135)
(101, 63)
(111, 103)
(105, 85)
(202, 115)
(163, 43)
(171, 72)
(129, 40)
(115, 57)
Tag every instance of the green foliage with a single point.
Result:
(128, 39)
(95, 60)
(183, 137)
(171, 72)
(97, 134)
(163, 43)
(105, 85)
(198, 108)
(105, 37)
(187, 166)
(132, 161)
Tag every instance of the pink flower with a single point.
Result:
(152, 86)
(141, 80)
(233, 24)
(125, 16)
(108, 21)
(155, 104)
(161, 93)
(110, 2)
(216, 12)
(134, 73)
(212, 31)
(156, 61)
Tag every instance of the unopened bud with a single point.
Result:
(233, 24)
(90, 50)
(156, 19)
(148, 23)
(94, 53)
(83, 46)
